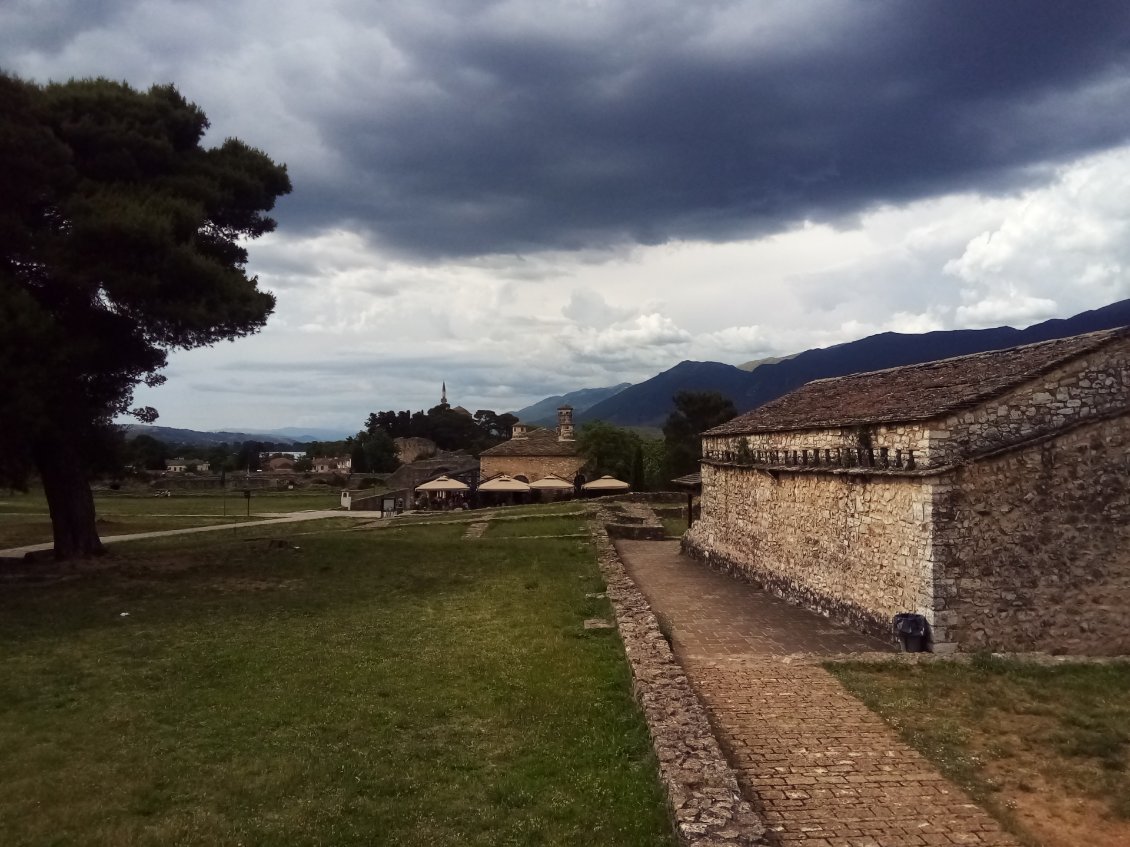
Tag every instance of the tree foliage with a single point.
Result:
(695, 412)
(373, 452)
(608, 449)
(121, 238)
(448, 428)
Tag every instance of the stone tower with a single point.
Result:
(564, 423)
(443, 394)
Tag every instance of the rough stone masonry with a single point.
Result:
(989, 493)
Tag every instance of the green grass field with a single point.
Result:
(400, 686)
(537, 526)
(24, 517)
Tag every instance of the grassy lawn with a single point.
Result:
(475, 515)
(398, 687)
(565, 506)
(24, 518)
(18, 530)
(1046, 748)
(549, 525)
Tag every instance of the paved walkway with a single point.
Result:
(818, 765)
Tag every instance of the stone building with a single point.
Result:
(989, 493)
(333, 464)
(534, 453)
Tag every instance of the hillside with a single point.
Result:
(173, 435)
(545, 411)
(648, 403)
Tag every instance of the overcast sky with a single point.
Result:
(526, 198)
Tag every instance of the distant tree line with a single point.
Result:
(449, 429)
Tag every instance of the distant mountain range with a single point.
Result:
(649, 403)
(286, 435)
(545, 411)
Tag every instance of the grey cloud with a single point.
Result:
(475, 128)
(514, 142)
(48, 25)
(589, 308)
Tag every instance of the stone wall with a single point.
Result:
(1009, 530)
(1089, 387)
(1034, 546)
(532, 467)
(703, 794)
(853, 547)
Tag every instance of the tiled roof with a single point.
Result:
(914, 392)
(539, 442)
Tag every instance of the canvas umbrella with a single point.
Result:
(505, 484)
(606, 483)
(443, 483)
(551, 483)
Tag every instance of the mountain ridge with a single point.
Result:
(648, 403)
(545, 411)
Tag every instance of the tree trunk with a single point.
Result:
(69, 499)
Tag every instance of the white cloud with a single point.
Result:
(1058, 249)
(589, 308)
(648, 340)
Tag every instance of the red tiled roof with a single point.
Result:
(914, 392)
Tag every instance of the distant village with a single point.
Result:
(397, 452)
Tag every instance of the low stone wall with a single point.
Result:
(647, 497)
(633, 520)
(702, 789)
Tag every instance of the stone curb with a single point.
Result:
(702, 790)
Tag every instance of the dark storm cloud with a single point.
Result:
(513, 138)
(48, 26)
(469, 128)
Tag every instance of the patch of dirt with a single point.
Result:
(1056, 819)
(1053, 815)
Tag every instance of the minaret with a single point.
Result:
(443, 394)
(564, 423)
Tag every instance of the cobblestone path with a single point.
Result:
(820, 767)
